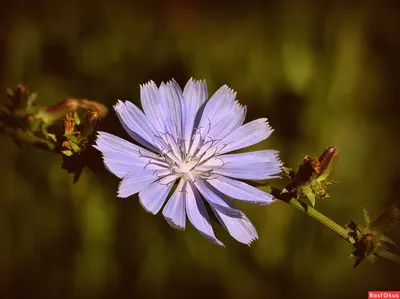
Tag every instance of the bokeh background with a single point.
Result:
(323, 72)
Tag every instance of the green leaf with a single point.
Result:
(284, 190)
(31, 99)
(75, 147)
(309, 193)
(387, 240)
(386, 220)
(287, 171)
(77, 120)
(366, 217)
(52, 136)
(72, 138)
(68, 153)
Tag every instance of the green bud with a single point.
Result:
(370, 241)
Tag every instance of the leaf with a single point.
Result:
(287, 171)
(311, 197)
(284, 190)
(52, 136)
(309, 193)
(77, 120)
(387, 240)
(67, 153)
(72, 138)
(75, 147)
(31, 99)
(386, 220)
(366, 217)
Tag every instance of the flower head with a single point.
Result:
(185, 139)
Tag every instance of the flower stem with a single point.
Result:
(327, 222)
(321, 218)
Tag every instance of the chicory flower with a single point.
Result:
(185, 138)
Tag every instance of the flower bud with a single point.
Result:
(327, 162)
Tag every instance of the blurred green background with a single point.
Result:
(324, 73)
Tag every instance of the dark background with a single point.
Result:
(323, 72)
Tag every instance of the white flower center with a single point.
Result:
(187, 166)
(189, 163)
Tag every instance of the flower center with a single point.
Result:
(188, 162)
(187, 166)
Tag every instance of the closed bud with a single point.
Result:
(327, 162)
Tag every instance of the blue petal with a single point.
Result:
(154, 105)
(240, 229)
(173, 97)
(110, 143)
(263, 156)
(121, 156)
(135, 181)
(246, 135)
(174, 210)
(240, 190)
(136, 124)
(197, 214)
(217, 200)
(120, 164)
(195, 94)
(237, 224)
(251, 171)
(258, 165)
(153, 196)
(222, 113)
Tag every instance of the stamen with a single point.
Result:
(215, 154)
(164, 165)
(196, 139)
(173, 146)
(168, 180)
(202, 146)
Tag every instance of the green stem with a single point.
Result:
(325, 221)
(321, 218)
